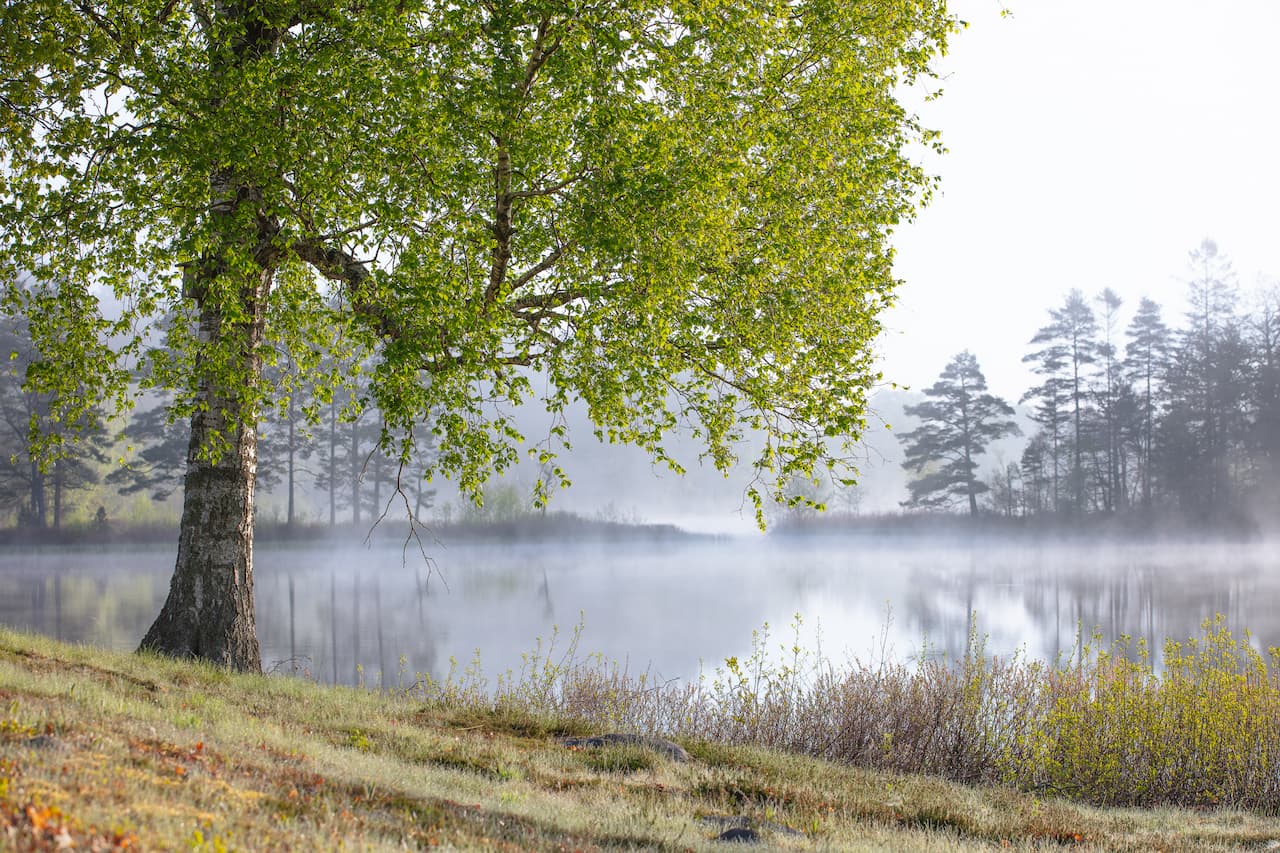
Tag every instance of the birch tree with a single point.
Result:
(677, 213)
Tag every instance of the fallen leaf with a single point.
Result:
(38, 817)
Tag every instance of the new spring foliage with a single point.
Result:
(676, 212)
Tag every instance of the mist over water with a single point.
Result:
(378, 615)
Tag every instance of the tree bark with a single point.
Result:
(209, 613)
(333, 463)
(355, 472)
(38, 512)
(292, 453)
(57, 494)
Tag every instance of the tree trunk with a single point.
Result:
(209, 613)
(292, 453)
(355, 472)
(57, 494)
(971, 485)
(333, 463)
(38, 512)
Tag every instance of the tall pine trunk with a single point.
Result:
(38, 512)
(333, 463)
(355, 472)
(57, 493)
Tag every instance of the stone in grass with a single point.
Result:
(739, 835)
(660, 745)
(728, 822)
(46, 741)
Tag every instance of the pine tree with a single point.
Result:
(1265, 433)
(158, 444)
(1068, 344)
(285, 439)
(1204, 386)
(957, 423)
(1146, 364)
(1110, 394)
(39, 486)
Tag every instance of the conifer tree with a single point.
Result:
(39, 488)
(1206, 387)
(1068, 344)
(1146, 364)
(958, 421)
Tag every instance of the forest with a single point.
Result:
(332, 449)
(1139, 414)
(1158, 416)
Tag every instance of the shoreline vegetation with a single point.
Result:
(553, 527)
(112, 751)
(1163, 527)
(561, 526)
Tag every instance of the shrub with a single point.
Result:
(1204, 731)
(1111, 726)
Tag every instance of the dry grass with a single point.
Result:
(1108, 727)
(107, 751)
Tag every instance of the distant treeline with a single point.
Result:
(1145, 420)
(329, 444)
(323, 454)
(1133, 421)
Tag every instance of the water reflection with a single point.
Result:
(373, 616)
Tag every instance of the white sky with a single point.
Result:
(1092, 143)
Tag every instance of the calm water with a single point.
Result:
(370, 613)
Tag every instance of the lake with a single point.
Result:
(376, 615)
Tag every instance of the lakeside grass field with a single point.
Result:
(108, 751)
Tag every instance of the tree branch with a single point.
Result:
(542, 266)
(554, 299)
(336, 265)
(501, 226)
(539, 56)
(551, 190)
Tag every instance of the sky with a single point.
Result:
(1091, 144)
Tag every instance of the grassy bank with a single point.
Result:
(108, 751)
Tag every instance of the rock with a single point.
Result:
(661, 745)
(744, 822)
(45, 742)
(739, 835)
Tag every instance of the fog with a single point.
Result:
(621, 483)
(375, 615)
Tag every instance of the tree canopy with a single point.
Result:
(677, 213)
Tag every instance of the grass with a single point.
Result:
(1110, 726)
(107, 751)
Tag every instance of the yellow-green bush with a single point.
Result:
(1113, 726)
(1204, 730)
